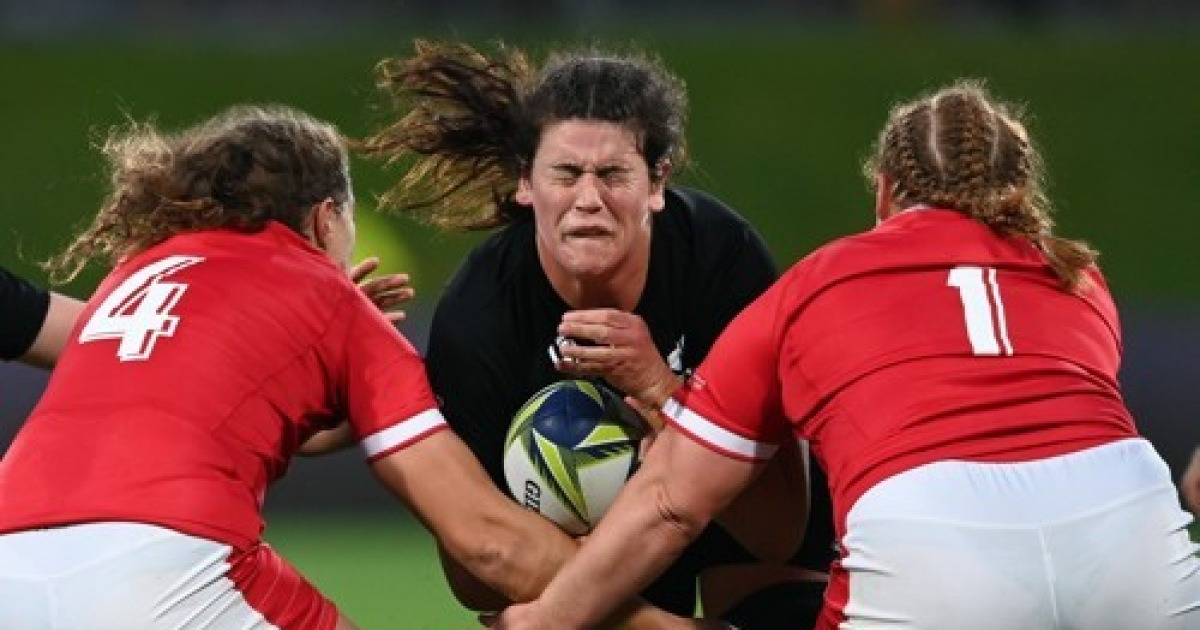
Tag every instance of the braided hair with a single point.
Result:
(960, 149)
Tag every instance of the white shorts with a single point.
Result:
(132, 576)
(1094, 539)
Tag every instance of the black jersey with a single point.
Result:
(23, 308)
(498, 317)
(496, 320)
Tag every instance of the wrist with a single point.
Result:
(660, 389)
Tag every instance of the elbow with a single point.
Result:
(481, 553)
(471, 592)
(678, 519)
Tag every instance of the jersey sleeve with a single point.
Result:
(387, 394)
(23, 306)
(732, 403)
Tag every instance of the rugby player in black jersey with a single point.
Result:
(596, 268)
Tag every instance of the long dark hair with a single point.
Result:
(469, 124)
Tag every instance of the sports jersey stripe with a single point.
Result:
(715, 436)
(403, 433)
(1001, 320)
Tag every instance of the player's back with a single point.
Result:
(196, 370)
(932, 338)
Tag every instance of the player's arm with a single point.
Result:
(469, 590)
(328, 441)
(386, 292)
(770, 517)
(658, 514)
(472, 390)
(56, 329)
(512, 550)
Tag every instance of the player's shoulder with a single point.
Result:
(708, 224)
(701, 209)
(491, 275)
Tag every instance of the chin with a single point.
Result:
(590, 263)
(586, 271)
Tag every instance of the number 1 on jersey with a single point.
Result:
(138, 311)
(983, 310)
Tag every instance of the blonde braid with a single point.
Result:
(958, 149)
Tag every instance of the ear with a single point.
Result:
(524, 194)
(320, 222)
(658, 186)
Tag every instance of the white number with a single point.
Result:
(138, 311)
(983, 310)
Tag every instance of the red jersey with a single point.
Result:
(927, 338)
(197, 369)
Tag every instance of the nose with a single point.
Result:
(588, 197)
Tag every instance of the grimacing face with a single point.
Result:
(592, 199)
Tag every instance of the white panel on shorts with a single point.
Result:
(119, 576)
(1094, 539)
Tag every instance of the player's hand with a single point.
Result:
(1189, 484)
(620, 350)
(385, 291)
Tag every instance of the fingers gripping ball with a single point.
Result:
(569, 451)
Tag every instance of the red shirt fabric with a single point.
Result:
(196, 371)
(927, 338)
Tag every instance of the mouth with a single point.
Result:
(587, 232)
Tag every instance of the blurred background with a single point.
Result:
(786, 98)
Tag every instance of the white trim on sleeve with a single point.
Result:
(402, 433)
(715, 436)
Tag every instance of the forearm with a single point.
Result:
(55, 331)
(511, 550)
(635, 542)
(515, 554)
(467, 589)
(660, 511)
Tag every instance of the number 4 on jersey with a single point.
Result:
(983, 310)
(138, 311)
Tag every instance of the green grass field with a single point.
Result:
(382, 572)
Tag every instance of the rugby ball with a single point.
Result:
(569, 450)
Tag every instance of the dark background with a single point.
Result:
(786, 99)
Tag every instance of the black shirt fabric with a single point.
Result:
(488, 346)
(24, 306)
